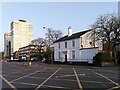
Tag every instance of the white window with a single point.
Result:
(65, 44)
(58, 55)
(73, 54)
(59, 45)
(73, 43)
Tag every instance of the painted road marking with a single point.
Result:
(56, 87)
(79, 84)
(104, 77)
(116, 87)
(70, 75)
(36, 77)
(26, 83)
(94, 82)
(16, 72)
(52, 78)
(27, 75)
(14, 88)
(64, 79)
(65, 76)
(47, 79)
(11, 76)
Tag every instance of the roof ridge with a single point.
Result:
(73, 36)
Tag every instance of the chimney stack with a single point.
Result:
(69, 31)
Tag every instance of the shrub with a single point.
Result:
(102, 57)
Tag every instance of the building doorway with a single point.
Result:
(65, 58)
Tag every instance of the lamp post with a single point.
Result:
(48, 35)
(49, 41)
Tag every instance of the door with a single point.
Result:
(65, 58)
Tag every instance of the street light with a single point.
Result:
(48, 34)
(48, 29)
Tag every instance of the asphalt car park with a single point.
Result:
(42, 76)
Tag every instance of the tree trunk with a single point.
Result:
(108, 48)
(114, 50)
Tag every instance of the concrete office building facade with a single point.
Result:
(21, 34)
(7, 48)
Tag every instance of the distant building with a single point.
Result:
(27, 50)
(31, 50)
(7, 45)
(1, 55)
(21, 34)
(77, 47)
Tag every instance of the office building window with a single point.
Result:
(65, 44)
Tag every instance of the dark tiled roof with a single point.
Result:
(73, 36)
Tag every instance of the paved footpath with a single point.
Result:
(42, 76)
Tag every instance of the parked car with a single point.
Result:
(23, 58)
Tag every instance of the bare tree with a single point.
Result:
(107, 29)
(39, 45)
(53, 35)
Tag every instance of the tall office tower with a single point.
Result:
(7, 45)
(21, 34)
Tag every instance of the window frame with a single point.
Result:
(73, 54)
(73, 43)
(65, 44)
(59, 45)
(58, 55)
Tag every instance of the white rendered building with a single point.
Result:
(21, 34)
(77, 47)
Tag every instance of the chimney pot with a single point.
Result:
(69, 31)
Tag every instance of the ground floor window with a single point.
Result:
(73, 54)
(58, 55)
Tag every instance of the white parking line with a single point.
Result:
(56, 87)
(116, 87)
(72, 75)
(79, 84)
(104, 77)
(16, 72)
(94, 82)
(13, 87)
(47, 79)
(26, 83)
(27, 75)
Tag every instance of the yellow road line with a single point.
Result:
(27, 75)
(104, 77)
(47, 79)
(13, 87)
(78, 81)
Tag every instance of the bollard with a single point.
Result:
(30, 63)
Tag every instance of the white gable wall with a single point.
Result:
(86, 55)
(86, 39)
